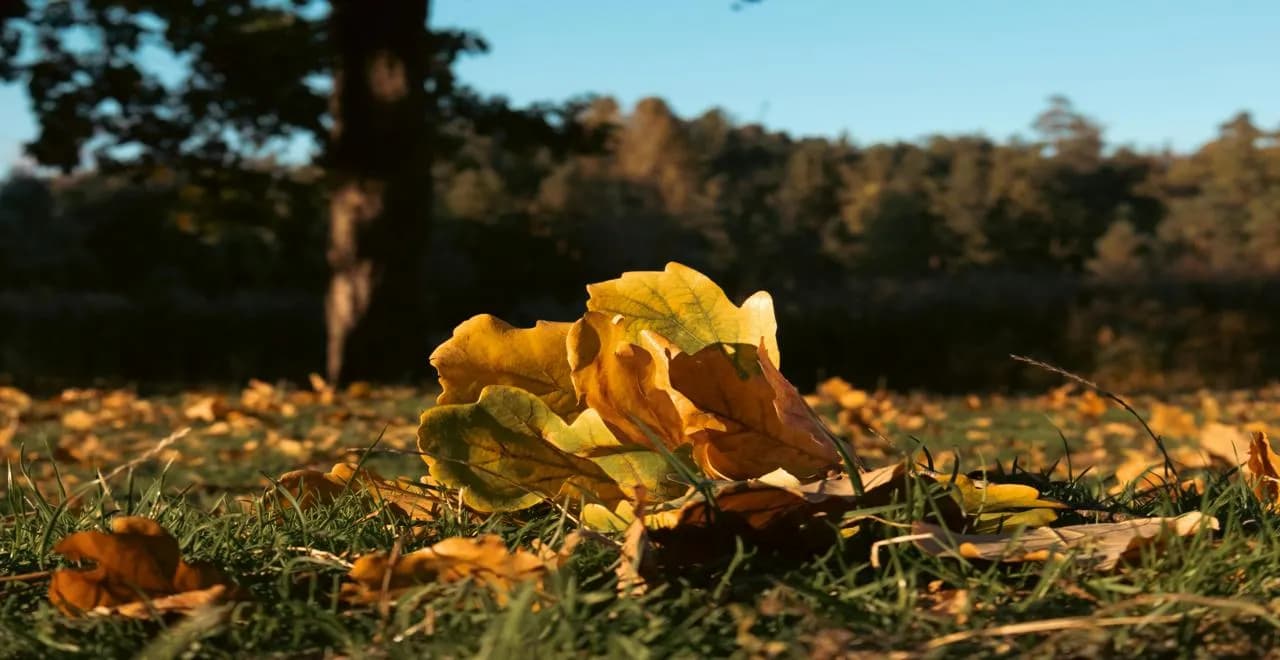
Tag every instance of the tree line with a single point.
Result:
(589, 190)
(530, 204)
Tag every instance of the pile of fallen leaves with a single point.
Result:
(661, 423)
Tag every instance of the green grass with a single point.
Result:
(1210, 595)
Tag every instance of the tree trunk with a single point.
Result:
(379, 164)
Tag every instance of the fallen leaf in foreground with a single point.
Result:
(775, 512)
(1264, 469)
(1103, 544)
(989, 506)
(311, 487)
(484, 559)
(137, 561)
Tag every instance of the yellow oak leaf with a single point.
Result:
(686, 308)
(485, 350)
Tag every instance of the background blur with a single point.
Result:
(924, 187)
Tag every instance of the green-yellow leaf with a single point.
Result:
(497, 449)
(632, 466)
(509, 451)
(485, 350)
(686, 308)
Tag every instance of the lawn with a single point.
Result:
(1208, 594)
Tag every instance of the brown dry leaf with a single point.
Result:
(14, 401)
(1090, 405)
(260, 397)
(483, 559)
(1264, 469)
(485, 350)
(323, 390)
(953, 603)
(776, 512)
(139, 560)
(1102, 544)
(312, 487)
(745, 419)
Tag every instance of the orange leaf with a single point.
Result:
(745, 419)
(139, 560)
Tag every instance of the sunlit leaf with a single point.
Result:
(686, 308)
(483, 559)
(744, 419)
(313, 487)
(505, 452)
(484, 350)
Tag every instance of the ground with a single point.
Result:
(78, 458)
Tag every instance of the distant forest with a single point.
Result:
(921, 263)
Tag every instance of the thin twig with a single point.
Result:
(1169, 467)
(1050, 625)
(26, 577)
(144, 457)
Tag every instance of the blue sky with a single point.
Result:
(1153, 73)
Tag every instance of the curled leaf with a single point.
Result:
(1264, 469)
(136, 562)
(745, 420)
(990, 506)
(626, 383)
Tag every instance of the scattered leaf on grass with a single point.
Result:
(1226, 443)
(483, 559)
(986, 500)
(137, 561)
(1264, 469)
(312, 487)
(1101, 544)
